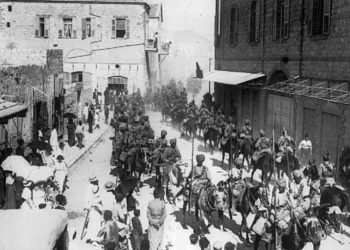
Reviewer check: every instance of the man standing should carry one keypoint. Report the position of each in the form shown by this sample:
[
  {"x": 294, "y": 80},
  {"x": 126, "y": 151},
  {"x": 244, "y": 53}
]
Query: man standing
[
  {"x": 305, "y": 148},
  {"x": 156, "y": 214},
  {"x": 170, "y": 156}
]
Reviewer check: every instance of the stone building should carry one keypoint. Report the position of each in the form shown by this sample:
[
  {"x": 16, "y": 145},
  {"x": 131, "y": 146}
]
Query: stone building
[
  {"x": 106, "y": 38},
  {"x": 40, "y": 89},
  {"x": 283, "y": 64}
]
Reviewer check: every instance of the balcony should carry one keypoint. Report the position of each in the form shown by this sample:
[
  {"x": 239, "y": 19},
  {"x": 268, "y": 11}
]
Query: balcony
[{"x": 151, "y": 45}]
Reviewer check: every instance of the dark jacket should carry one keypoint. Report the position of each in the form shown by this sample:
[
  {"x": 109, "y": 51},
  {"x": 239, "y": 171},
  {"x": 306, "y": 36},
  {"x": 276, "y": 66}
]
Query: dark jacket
[{"x": 137, "y": 226}]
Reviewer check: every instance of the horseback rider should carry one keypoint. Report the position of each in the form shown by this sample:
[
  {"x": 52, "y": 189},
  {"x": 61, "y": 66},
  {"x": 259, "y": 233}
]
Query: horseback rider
[
  {"x": 285, "y": 145},
  {"x": 209, "y": 122},
  {"x": 170, "y": 156},
  {"x": 282, "y": 208},
  {"x": 230, "y": 131},
  {"x": 300, "y": 191},
  {"x": 263, "y": 145},
  {"x": 200, "y": 171},
  {"x": 326, "y": 170},
  {"x": 146, "y": 133},
  {"x": 246, "y": 130}
]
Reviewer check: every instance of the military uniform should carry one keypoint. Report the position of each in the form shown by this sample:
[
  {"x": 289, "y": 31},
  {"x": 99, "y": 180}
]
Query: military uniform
[
  {"x": 200, "y": 171},
  {"x": 263, "y": 145},
  {"x": 169, "y": 157}
]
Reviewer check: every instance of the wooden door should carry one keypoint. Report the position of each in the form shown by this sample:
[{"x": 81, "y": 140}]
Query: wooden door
[{"x": 330, "y": 135}]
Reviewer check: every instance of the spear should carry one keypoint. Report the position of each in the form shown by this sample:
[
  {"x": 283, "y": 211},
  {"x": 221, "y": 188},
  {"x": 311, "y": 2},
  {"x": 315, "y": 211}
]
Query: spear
[
  {"x": 192, "y": 164},
  {"x": 275, "y": 176}
]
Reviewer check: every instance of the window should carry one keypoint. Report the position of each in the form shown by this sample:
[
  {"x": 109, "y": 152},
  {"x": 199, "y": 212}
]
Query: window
[
  {"x": 67, "y": 30},
  {"x": 120, "y": 28},
  {"x": 234, "y": 26},
  {"x": 8, "y": 24},
  {"x": 67, "y": 27},
  {"x": 9, "y": 8},
  {"x": 77, "y": 77},
  {"x": 42, "y": 27},
  {"x": 86, "y": 24},
  {"x": 254, "y": 21},
  {"x": 217, "y": 22},
  {"x": 280, "y": 23},
  {"x": 318, "y": 17}
]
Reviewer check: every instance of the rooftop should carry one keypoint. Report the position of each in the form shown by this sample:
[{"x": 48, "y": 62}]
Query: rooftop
[{"x": 84, "y": 1}]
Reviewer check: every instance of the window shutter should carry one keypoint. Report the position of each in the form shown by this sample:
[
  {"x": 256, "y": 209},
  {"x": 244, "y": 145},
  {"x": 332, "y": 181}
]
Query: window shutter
[
  {"x": 83, "y": 28},
  {"x": 47, "y": 27},
  {"x": 236, "y": 25},
  {"x": 309, "y": 16},
  {"x": 127, "y": 28},
  {"x": 113, "y": 28},
  {"x": 216, "y": 31},
  {"x": 93, "y": 26},
  {"x": 326, "y": 16},
  {"x": 257, "y": 21},
  {"x": 274, "y": 20},
  {"x": 36, "y": 26},
  {"x": 286, "y": 19},
  {"x": 74, "y": 27},
  {"x": 249, "y": 20}
]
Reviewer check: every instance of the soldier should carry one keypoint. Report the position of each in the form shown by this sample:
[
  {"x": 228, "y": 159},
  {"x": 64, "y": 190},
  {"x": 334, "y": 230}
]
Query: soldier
[
  {"x": 326, "y": 170},
  {"x": 282, "y": 208},
  {"x": 200, "y": 171},
  {"x": 263, "y": 145},
  {"x": 300, "y": 191},
  {"x": 285, "y": 144},
  {"x": 170, "y": 156},
  {"x": 247, "y": 129}
]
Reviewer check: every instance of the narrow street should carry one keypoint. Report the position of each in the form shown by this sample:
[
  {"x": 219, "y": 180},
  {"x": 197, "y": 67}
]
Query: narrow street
[{"x": 178, "y": 229}]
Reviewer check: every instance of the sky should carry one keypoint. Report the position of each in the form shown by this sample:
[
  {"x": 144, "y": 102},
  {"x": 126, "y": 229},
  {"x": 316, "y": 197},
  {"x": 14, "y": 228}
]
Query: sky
[{"x": 195, "y": 15}]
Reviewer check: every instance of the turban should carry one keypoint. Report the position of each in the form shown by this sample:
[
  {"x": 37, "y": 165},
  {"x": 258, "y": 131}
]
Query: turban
[
  {"x": 200, "y": 158},
  {"x": 281, "y": 183}
]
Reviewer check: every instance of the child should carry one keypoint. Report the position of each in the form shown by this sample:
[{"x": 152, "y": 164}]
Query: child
[
  {"x": 106, "y": 114},
  {"x": 61, "y": 201},
  {"x": 61, "y": 172},
  {"x": 97, "y": 119},
  {"x": 137, "y": 229},
  {"x": 109, "y": 231}
]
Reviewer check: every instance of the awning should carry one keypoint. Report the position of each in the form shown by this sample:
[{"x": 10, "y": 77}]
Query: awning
[
  {"x": 231, "y": 78},
  {"x": 338, "y": 93},
  {"x": 9, "y": 110}
]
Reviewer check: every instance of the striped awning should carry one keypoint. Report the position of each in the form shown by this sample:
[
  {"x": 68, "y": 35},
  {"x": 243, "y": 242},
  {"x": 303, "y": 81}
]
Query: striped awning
[{"x": 9, "y": 110}]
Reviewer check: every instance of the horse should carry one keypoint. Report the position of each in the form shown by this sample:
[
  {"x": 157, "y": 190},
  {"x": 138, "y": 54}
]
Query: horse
[
  {"x": 303, "y": 231},
  {"x": 165, "y": 112},
  {"x": 265, "y": 164},
  {"x": 212, "y": 135},
  {"x": 207, "y": 199},
  {"x": 331, "y": 199},
  {"x": 189, "y": 126},
  {"x": 247, "y": 205},
  {"x": 246, "y": 148},
  {"x": 311, "y": 171},
  {"x": 228, "y": 146},
  {"x": 288, "y": 164},
  {"x": 201, "y": 124}
]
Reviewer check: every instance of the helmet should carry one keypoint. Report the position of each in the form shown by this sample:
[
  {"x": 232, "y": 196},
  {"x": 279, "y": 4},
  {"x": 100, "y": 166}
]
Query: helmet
[{"x": 247, "y": 122}]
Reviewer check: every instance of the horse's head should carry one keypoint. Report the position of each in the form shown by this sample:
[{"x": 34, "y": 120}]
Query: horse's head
[
  {"x": 334, "y": 217},
  {"x": 314, "y": 230}
]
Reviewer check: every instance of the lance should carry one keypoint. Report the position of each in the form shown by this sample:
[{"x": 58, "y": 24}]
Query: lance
[
  {"x": 192, "y": 163},
  {"x": 275, "y": 176}
]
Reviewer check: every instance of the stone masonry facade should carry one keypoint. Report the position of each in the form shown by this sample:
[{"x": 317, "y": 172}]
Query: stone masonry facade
[
  {"x": 22, "y": 41},
  {"x": 318, "y": 57}
]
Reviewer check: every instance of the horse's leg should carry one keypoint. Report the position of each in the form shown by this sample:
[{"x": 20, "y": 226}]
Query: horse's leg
[
  {"x": 223, "y": 157},
  {"x": 257, "y": 241},
  {"x": 243, "y": 223},
  {"x": 254, "y": 169}
]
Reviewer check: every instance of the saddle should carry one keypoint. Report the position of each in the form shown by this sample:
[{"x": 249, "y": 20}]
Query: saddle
[
  {"x": 205, "y": 199},
  {"x": 198, "y": 185}
]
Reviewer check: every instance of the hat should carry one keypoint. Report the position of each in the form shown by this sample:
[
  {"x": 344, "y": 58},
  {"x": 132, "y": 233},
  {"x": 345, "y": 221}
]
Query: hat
[
  {"x": 204, "y": 242},
  {"x": 238, "y": 161},
  {"x": 27, "y": 183},
  {"x": 61, "y": 199},
  {"x": 109, "y": 186},
  {"x": 172, "y": 141},
  {"x": 193, "y": 238},
  {"x": 230, "y": 246},
  {"x": 297, "y": 173},
  {"x": 247, "y": 122},
  {"x": 281, "y": 183},
  {"x": 200, "y": 158},
  {"x": 326, "y": 156},
  {"x": 217, "y": 245},
  {"x": 119, "y": 197},
  {"x": 60, "y": 158},
  {"x": 93, "y": 179},
  {"x": 163, "y": 132}
]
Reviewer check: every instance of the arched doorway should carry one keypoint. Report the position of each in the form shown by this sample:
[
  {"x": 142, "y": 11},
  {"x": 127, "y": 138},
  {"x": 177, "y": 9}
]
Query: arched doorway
[
  {"x": 278, "y": 76},
  {"x": 117, "y": 83}
]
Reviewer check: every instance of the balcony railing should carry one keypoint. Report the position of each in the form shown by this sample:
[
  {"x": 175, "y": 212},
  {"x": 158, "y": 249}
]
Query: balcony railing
[{"x": 152, "y": 45}]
